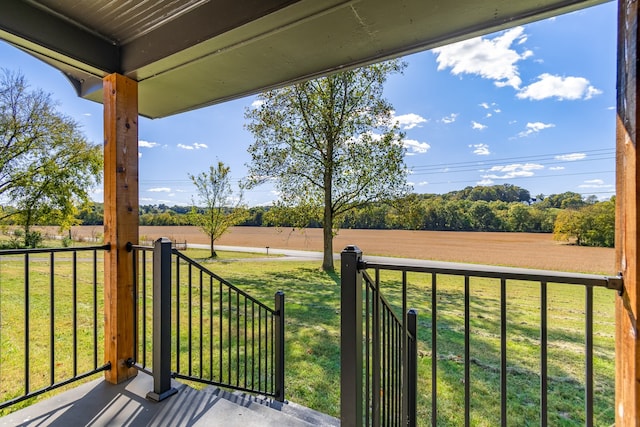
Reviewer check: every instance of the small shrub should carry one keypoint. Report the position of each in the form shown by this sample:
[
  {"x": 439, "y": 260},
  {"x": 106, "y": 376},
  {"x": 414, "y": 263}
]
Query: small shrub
[
  {"x": 66, "y": 241},
  {"x": 33, "y": 239}
]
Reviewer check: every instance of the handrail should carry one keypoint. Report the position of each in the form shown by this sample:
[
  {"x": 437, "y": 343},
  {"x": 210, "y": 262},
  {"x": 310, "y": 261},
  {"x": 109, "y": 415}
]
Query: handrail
[
  {"x": 491, "y": 272},
  {"x": 24, "y": 251}
]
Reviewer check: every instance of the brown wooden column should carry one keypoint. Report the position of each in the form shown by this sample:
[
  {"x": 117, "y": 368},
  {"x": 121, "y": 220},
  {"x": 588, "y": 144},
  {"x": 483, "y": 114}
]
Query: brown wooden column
[
  {"x": 627, "y": 204},
  {"x": 120, "y": 220}
]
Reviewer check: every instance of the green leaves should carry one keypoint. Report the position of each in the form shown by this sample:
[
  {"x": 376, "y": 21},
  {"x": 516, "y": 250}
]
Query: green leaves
[
  {"x": 221, "y": 210},
  {"x": 47, "y": 167},
  {"x": 330, "y": 147}
]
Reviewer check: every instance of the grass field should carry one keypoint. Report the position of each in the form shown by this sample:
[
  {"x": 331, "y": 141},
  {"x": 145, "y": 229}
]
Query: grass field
[
  {"x": 527, "y": 250},
  {"x": 312, "y": 343}
]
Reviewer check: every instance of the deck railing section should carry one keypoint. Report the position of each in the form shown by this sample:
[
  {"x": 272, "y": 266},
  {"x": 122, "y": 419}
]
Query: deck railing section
[
  {"x": 378, "y": 351},
  {"x": 373, "y": 398},
  {"x": 218, "y": 334},
  {"x": 51, "y": 319}
]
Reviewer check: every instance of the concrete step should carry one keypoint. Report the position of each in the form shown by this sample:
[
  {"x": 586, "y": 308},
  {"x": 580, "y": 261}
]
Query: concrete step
[
  {"x": 98, "y": 403},
  {"x": 267, "y": 406}
]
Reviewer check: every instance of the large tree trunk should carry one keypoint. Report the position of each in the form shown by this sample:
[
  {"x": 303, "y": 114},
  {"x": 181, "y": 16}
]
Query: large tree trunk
[
  {"x": 327, "y": 235},
  {"x": 327, "y": 217}
]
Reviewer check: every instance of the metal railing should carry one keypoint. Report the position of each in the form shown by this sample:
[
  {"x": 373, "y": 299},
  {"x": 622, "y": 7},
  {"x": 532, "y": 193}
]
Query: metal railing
[
  {"x": 51, "y": 321},
  {"x": 365, "y": 398},
  {"x": 214, "y": 332},
  {"x": 378, "y": 379}
]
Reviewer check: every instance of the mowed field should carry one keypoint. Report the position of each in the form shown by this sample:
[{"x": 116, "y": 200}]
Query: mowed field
[{"x": 528, "y": 250}]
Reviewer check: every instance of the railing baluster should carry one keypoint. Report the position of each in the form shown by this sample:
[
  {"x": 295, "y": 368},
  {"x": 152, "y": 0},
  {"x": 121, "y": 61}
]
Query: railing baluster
[
  {"x": 434, "y": 350},
  {"x": 211, "y": 377},
  {"x": 26, "y": 324},
  {"x": 201, "y": 366},
  {"x": 368, "y": 352},
  {"x": 412, "y": 368},
  {"x": 253, "y": 343},
  {"x": 144, "y": 308},
  {"x": 375, "y": 365},
  {"x": 279, "y": 346},
  {"x": 467, "y": 354},
  {"x": 74, "y": 285},
  {"x": 220, "y": 327},
  {"x": 543, "y": 355},
  {"x": 190, "y": 318},
  {"x": 178, "y": 337},
  {"x": 52, "y": 320},
  {"x": 229, "y": 337},
  {"x": 503, "y": 352},
  {"x": 237, "y": 340},
  {"x": 95, "y": 309},
  {"x": 588, "y": 398}
]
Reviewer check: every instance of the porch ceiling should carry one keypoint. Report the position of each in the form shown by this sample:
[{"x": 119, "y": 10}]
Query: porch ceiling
[{"x": 187, "y": 54}]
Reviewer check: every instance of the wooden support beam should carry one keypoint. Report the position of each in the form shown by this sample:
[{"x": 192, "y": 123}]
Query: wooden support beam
[
  {"x": 627, "y": 204},
  {"x": 120, "y": 220}
]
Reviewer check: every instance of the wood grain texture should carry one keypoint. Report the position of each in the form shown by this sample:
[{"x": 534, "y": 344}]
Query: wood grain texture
[
  {"x": 627, "y": 179},
  {"x": 120, "y": 220}
]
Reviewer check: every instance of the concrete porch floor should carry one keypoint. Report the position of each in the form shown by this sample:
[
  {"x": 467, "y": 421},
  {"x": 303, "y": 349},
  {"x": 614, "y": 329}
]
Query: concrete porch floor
[{"x": 98, "y": 403}]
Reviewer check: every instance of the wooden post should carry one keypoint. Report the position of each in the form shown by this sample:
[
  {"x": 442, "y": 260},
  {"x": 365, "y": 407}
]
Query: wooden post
[
  {"x": 120, "y": 220},
  {"x": 627, "y": 203}
]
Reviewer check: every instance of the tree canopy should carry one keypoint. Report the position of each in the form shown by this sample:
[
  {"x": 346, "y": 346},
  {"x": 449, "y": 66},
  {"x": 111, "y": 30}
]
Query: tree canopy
[
  {"x": 47, "y": 167},
  {"x": 330, "y": 145},
  {"x": 221, "y": 210}
]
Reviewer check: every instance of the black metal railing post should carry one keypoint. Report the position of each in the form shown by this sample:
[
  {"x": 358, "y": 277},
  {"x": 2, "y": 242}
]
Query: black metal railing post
[
  {"x": 161, "y": 321},
  {"x": 411, "y": 388},
  {"x": 279, "y": 346},
  {"x": 351, "y": 409}
]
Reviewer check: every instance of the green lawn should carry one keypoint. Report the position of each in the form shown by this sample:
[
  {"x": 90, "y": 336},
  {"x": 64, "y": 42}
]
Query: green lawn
[{"x": 312, "y": 339}]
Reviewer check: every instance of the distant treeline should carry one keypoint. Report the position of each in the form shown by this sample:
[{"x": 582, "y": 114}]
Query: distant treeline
[{"x": 483, "y": 208}]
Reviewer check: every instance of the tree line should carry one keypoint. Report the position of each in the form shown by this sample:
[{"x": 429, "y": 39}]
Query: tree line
[{"x": 500, "y": 208}]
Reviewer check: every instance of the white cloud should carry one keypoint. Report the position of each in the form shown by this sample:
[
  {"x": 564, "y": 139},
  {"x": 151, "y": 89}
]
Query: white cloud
[
  {"x": 595, "y": 183},
  {"x": 492, "y": 59},
  {"x": 449, "y": 119},
  {"x": 478, "y": 126},
  {"x": 516, "y": 170},
  {"x": 485, "y": 182},
  {"x": 480, "y": 149},
  {"x": 551, "y": 86},
  {"x": 147, "y": 144},
  {"x": 160, "y": 190},
  {"x": 423, "y": 183},
  {"x": 195, "y": 146},
  {"x": 139, "y": 154},
  {"x": 535, "y": 127},
  {"x": 556, "y": 168},
  {"x": 257, "y": 103},
  {"x": 488, "y": 115},
  {"x": 484, "y": 105},
  {"x": 146, "y": 199},
  {"x": 409, "y": 121},
  {"x": 415, "y": 147},
  {"x": 572, "y": 157}
]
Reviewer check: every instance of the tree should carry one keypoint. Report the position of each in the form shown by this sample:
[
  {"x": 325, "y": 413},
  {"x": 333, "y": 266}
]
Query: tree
[
  {"x": 330, "y": 145},
  {"x": 221, "y": 209},
  {"x": 47, "y": 166}
]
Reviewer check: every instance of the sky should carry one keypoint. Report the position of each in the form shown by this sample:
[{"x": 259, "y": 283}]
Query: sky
[{"x": 532, "y": 106}]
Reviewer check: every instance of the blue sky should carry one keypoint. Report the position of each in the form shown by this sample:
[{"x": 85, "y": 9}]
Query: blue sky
[{"x": 532, "y": 106}]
